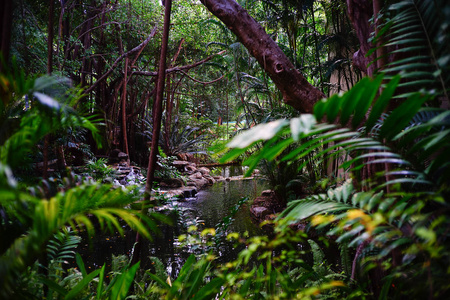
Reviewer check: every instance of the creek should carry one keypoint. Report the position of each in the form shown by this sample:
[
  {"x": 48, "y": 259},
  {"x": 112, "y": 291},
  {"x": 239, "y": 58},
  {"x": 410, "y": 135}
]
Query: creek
[{"x": 206, "y": 210}]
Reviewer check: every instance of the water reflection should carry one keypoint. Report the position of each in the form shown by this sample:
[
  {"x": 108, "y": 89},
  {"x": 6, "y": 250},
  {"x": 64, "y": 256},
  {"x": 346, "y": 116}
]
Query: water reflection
[
  {"x": 216, "y": 202},
  {"x": 211, "y": 206}
]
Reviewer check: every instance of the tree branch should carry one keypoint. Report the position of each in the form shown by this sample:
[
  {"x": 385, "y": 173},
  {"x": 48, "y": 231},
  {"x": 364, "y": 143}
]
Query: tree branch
[
  {"x": 178, "y": 69},
  {"x": 297, "y": 91},
  {"x": 202, "y": 82},
  {"x": 114, "y": 65}
]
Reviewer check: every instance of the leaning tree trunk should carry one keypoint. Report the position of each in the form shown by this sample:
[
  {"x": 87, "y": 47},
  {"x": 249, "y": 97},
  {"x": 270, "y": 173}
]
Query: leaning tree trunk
[{"x": 297, "y": 91}]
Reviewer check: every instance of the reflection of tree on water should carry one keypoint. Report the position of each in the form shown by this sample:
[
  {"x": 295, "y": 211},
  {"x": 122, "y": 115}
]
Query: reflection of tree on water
[
  {"x": 233, "y": 170},
  {"x": 211, "y": 206},
  {"x": 216, "y": 202}
]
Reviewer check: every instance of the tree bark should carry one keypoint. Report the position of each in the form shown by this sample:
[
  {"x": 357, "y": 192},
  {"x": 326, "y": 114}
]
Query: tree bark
[
  {"x": 124, "y": 110},
  {"x": 297, "y": 91},
  {"x": 157, "y": 115},
  {"x": 360, "y": 12}
]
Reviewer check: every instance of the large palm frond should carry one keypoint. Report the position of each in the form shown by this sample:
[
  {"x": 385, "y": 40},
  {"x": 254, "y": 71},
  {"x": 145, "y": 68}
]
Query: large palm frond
[
  {"x": 345, "y": 113},
  {"x": 416, "y": 34},
  {"x": 389, "y": 219},
  {"x": 77, "y": 208}
]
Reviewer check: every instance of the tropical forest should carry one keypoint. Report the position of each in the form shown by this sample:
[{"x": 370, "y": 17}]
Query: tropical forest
[{"x": 224, "y": 149}]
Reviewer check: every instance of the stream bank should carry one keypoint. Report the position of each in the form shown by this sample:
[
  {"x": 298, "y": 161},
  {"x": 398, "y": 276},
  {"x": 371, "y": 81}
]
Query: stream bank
[{"x": 195, "y": 203}]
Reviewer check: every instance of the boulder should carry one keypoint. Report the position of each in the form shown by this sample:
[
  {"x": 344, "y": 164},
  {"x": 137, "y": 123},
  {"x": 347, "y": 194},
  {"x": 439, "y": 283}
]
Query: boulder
[
  {"x": 172, "y": 183},
  {"x": 210, "y": 179},
  {"x": 189, "y": 192},
  {"x": 267, "y": 193},
  {"x": 180, "y": 165},
  {"x": 265, "y": 206},
  {"x": 199, "y": 182},
  {"x": 116, "y": 156},
  {"x": 196, "y": 175},
  {"x": 122, "y": 155},
  {"x": 191, "y": 168},
  {"x": 182, "y": 156},
  {"x": 204, "y": 170},
  {"x": 259, "y": 212}
]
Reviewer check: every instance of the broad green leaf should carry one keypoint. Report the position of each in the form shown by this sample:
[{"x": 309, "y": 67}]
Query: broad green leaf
[
  {"x": 401, "y": 116},
  {"x": 120, "y": 290},
  {"x": 367, "y": 97},
  {"x": 47, "y": 101},
  {"x": 101, "y": 282},
  {"x": 320, "y": 108},
  {"x": 333, "y": 107},
  {"x": 264, "y": 131},
  {"x": 210, "y": 289},
  {"x": 302, "y": 125},
  {"x": 196, "y": 278},
  {"x": 163, "y": 283},
  {"x": 74, "y": 292},
  {"x": 352, "y": 98},
  {"x": 80, "y": 264},
  {"x": 382, "y": 102},
  {"x": 53, "y": 285}
]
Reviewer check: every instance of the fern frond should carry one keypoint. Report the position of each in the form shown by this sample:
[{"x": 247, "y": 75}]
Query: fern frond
[
  {"x": 61, "y": 247},
  {"x": 75, "y": 208},
  {"x": 414, "y": 34}
]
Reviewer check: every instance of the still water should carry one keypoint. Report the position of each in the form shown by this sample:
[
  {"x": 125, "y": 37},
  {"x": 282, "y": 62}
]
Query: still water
[{"x": 206, "y": 210}]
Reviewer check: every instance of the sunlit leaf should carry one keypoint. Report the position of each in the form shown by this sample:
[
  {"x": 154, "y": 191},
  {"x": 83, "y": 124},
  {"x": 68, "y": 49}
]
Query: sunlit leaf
[{"x": 264, "y": 131}]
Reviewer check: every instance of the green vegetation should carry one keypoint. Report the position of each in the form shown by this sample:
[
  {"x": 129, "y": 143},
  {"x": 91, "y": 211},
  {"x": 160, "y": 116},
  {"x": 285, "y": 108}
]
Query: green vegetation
[{"x": 363, "y": 175}]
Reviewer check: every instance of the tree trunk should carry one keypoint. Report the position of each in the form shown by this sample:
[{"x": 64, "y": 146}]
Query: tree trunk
[
  {"x": 297, "y": 91},
  {"x": 49, "y": 71},
  {"x": 124, "y": 110},
  {"x": 50, "y": 37},
  {"x": 6, "y": 8},
  {"x": 157, "y": 115},
  {"x": 168, "y": 120},
  {"x": 360, "y": 12}
]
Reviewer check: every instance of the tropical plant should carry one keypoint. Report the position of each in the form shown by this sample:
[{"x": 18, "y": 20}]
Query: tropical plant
[
  {"x": 190, "y": 283},
  {"x": 415, "y": 33},
  {"x": 397, "y": 203},
  {"x": 284, "y": 266},
  {"x": 30, "y": 221},
  {"x": 46, "y": 104},
  {"x": 99, "y": 169},
  {"x": 41, "y": 219},
  {"x": 187, "y": 140},
  {"x": 81, "y": 284}
]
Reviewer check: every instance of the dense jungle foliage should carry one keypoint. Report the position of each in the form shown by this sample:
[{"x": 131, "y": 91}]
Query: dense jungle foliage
[{"x": 363, "y": 178}]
